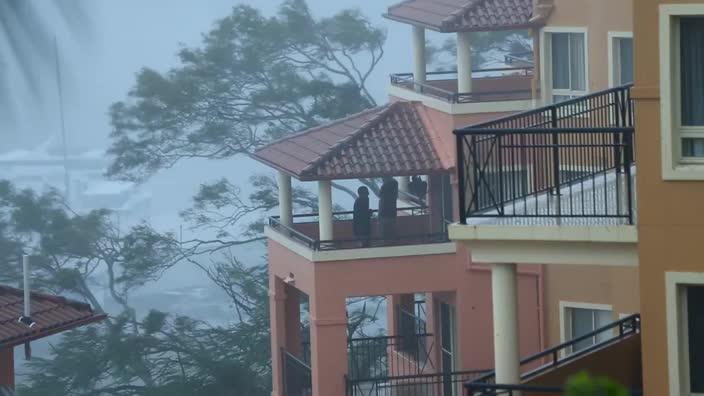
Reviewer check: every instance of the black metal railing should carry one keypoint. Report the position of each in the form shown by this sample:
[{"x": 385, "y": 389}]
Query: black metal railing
[
  {"x": 432, "y": 88},
  {"x": 552, "y": 358},
  {"x": 297, "y": 376},
  {"x": 434, "y": 384},
  {"x": 380, "y": 357},
  {"x": 409, "y": 324},
  {"x": 304, "y": 230},
  {"x": 568, "y": 160}
]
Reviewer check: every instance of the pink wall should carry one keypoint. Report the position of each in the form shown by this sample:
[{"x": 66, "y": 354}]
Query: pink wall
[{"x": 446, "y": 277}]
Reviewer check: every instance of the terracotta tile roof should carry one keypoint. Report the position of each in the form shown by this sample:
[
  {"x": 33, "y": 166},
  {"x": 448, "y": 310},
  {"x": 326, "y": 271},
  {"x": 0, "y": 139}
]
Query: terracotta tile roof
[
  {"x": 466, "y": 15},
  {"x": 52, "y": 314},
  {"x": 391, "y": 140}
]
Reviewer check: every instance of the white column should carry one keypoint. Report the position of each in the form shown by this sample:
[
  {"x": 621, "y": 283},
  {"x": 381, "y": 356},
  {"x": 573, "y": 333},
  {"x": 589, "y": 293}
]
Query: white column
[
  {"x": 464, "y": 63},
  {"x": 505, "y": 306},
  {"x": 325, "y": 210},
  {"x": 285, "y": 200},
  {"x": 418, "y": 54}
]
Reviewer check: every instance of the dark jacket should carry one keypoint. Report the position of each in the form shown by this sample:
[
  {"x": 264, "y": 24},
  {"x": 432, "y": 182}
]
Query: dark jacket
[
  {"x": 388, "y": 195},
  {"x": 361, "y": 218}
]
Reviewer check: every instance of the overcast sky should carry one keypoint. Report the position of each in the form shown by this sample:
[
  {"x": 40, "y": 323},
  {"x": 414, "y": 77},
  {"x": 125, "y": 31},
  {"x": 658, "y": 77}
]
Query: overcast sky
[{"x": 127, "y": 35}]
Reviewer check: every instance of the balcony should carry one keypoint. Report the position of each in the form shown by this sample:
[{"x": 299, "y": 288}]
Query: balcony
[
  {"x": 414, "y": 226},
  {"x": 618, "y": 357},
  {"x": 488, "y": 85},
  {"x": 564, "y": 172}
]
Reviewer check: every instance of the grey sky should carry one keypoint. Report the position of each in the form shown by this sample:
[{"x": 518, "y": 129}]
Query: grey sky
[{"x": 130, "y": 34}]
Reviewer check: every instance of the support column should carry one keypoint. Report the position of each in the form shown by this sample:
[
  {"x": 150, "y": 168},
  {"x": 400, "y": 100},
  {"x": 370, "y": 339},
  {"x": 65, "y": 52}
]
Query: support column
[
  {"x": 285, "y": 200},
  {"x": 7, "y": 368},
  {"x": 464, "y": 63},
  {"x": 293, "y": 321},
  {"x": 328, "y": 336},
  {"x": 277, "y": 322},
  {"x": 419, "y": 68},
  {"x": 504, "y": 289},
  {"x": 325, "y": 221}
]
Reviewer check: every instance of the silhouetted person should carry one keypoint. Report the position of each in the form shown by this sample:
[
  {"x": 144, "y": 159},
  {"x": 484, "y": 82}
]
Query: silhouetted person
[
  {"x": 388, "y": 196},
  {"x": 361, "y": 217},
  {"x": 418, "y": 187}
]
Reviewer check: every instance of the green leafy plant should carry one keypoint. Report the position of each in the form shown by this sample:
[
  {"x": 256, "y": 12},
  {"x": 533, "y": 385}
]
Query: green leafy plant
[{"x": 583, "y": 384}]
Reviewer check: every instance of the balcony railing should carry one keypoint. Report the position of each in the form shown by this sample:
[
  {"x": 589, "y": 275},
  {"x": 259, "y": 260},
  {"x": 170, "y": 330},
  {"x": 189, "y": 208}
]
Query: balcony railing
[
  {"x": 297, "y": 376},
  {"x": 572, "y": 160},
  {"x": 550, "y": 359},
  {"x": 381, "y": 357},
  {"x": 499, "y": 84},
  {"x": 414, "y": 226},
  {"x": 433, "y": 384}
]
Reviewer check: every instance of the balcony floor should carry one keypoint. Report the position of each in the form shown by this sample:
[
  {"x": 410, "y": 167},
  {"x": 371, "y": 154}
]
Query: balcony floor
[{"x": 578, "y": 204}]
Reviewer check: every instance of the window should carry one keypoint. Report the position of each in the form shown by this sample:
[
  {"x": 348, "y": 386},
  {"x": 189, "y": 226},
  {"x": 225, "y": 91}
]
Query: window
[
  {"x": 581, "y": 321},
  {"x": 682, "y": 90},
  {"x": 685, "y": 332},
  {"x": 569, "y": 65},
  {"x": 691, "y": 85},
  {"x": 621, "y": 56},
  {"x": 694, "y": 327}
]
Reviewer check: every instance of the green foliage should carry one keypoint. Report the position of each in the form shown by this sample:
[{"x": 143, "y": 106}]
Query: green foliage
[
  {"x": 583, "y": 384},
  {"x": 253, "y": 79}
]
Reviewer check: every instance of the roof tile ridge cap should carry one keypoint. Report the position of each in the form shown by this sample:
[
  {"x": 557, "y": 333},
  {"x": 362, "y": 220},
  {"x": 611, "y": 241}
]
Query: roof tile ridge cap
[
  {"x": 315, "y": 128},
  {"x": 50, "y": 297},
  {"x": 399, "y": 4},
  {"x": 363, "y": 129},
  {"x": 433, "y": 135},
  {"x": 460, "y": 13}
]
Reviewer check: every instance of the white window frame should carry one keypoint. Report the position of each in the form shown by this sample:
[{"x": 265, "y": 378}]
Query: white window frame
[
  {"x": 615, "y": 62},
  {"x": 546, "y": 61},
  {"x": 677, "y": 352},
  {"x": 674, "y": 166},
  {"x": 566, "y": 317}
]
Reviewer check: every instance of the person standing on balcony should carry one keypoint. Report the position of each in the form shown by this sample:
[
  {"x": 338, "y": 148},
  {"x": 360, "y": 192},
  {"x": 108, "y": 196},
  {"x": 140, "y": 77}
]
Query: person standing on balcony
[
  {"x": 388, "y": 196},
  {"x": 419, "y": 188},
  {"x": 362, "y": 216}
]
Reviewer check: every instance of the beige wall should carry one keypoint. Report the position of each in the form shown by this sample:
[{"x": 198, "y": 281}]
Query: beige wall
[
  {"x": 671, "y": 219},
  {"x": 613, "y": 286},
  {"x": 600, "y": 17},
  {"x": 621, "y": 362}
]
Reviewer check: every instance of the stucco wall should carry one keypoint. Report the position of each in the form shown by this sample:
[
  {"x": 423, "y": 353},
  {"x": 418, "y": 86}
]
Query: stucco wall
[
  {"x": 621, "y": 362},
  {"x": 613, "y": 286},
  {"x": 671, "y": 219},
  {"x": 7, "y": 368},
  {"x": 600, "y": 17}
]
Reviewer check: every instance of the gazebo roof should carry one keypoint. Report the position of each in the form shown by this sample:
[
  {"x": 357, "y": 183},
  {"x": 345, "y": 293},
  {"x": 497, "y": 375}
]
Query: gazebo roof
[
  {"x": 52, "y": 314},
  {"x": 391, "y": 140},
  {"x": 449, "y": 16}
]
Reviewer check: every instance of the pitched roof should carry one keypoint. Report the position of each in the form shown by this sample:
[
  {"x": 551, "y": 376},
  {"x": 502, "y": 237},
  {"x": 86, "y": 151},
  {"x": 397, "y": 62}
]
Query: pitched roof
[
  {"x": 52, "y": 314},
  {"x": 466, "y": 15},
  {"x": 390, "y": 140}
]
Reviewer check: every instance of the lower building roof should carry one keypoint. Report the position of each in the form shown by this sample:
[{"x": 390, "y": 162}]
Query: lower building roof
[{"x": 52, "y": 314}]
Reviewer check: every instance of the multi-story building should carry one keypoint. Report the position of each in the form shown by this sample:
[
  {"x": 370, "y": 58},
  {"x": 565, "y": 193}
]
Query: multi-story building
[
  {"x": 440, "y": 294},
  {"x": 578, "y": 205},
  {"x": 669, "y": 92}
]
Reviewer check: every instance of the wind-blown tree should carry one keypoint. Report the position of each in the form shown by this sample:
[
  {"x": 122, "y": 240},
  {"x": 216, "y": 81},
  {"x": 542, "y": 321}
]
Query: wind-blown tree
[
  {"x": 159, "y": 354},
  {"x": 27, "y": 48},
  {"x": 68, "y": 250},
  {"x": 253, "y": 79}
]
